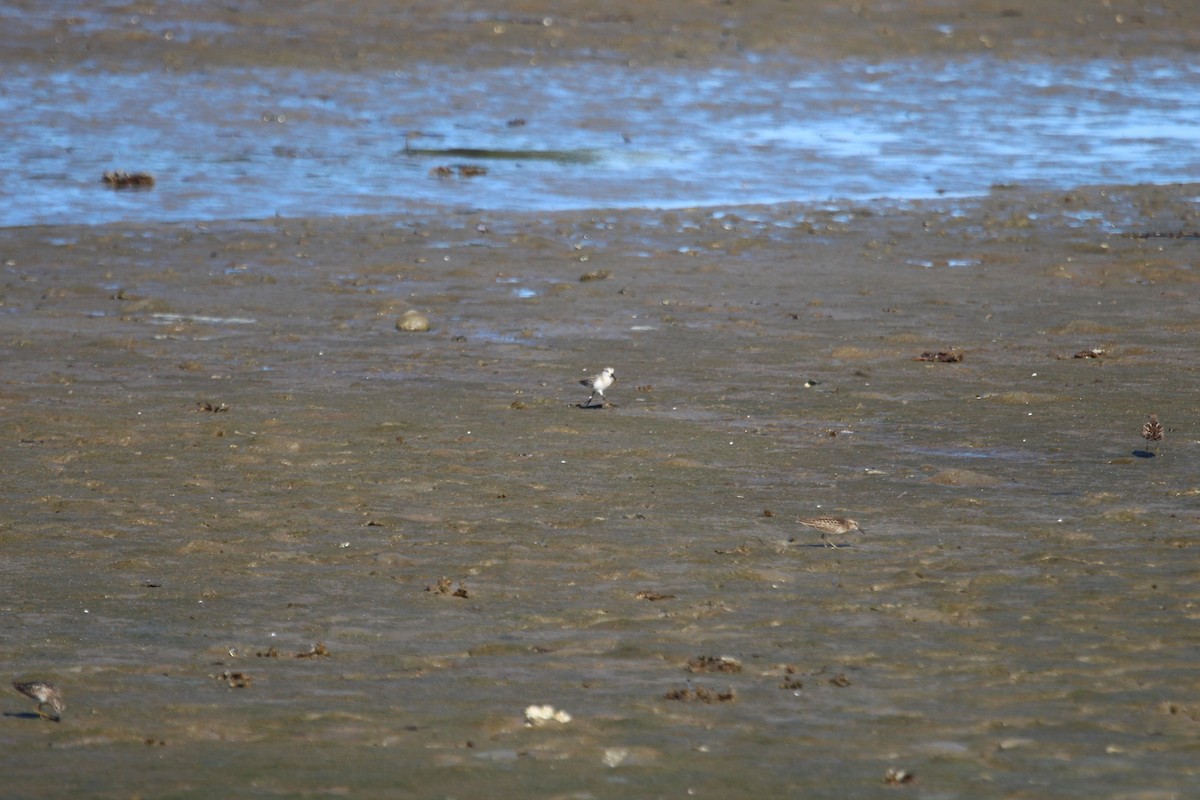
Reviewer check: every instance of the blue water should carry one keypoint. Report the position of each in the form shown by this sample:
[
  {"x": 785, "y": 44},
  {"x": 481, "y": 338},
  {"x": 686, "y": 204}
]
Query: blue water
[{"x": 256, "y": 143}]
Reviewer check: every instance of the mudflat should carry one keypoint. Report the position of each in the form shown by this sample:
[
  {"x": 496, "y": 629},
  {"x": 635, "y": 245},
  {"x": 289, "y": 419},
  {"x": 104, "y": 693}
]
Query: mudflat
[
  {"x": 375, "y": 34},
  {"x": 267, "y": 540}
]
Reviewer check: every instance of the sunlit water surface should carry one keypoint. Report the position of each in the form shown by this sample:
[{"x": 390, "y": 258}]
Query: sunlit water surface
[{"x": 255, "y": 143}]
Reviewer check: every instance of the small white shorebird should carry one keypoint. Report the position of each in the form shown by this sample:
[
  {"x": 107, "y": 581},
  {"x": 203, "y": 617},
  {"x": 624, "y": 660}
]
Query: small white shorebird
[
  {"x": 598, "y": 383},
  {"x": 835, "y": 526}
]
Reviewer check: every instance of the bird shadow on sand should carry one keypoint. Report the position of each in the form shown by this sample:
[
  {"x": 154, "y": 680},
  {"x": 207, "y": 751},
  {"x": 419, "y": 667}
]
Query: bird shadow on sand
[
  {"x": 595, "y": 406},
  {"x": 1143, "y": 454},
  {"x": 27, "y": 715}
]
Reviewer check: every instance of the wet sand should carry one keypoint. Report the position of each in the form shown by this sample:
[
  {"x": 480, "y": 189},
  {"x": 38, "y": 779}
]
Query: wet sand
[
  {"x": 221, "y": 453},
  {"x": 377, "y": 35}
]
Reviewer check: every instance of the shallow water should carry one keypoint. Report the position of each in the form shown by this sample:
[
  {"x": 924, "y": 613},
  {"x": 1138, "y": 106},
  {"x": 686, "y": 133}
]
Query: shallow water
[{"x": 237, "y": 143}]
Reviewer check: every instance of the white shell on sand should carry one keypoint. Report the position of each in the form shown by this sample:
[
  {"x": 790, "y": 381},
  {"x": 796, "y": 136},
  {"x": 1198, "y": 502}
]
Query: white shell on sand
[
  {"x": 540, "y": 715},
  {"x": 412, "y": 321}
]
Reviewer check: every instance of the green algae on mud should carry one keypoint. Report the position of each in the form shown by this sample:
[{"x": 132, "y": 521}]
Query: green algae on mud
[{"x": 557, "y": 156}]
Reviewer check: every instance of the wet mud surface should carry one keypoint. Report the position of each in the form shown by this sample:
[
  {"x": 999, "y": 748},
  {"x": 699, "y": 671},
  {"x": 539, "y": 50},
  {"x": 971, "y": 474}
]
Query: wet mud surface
[
  {"x": 221, "y": 453},
  {"x": 267, "y": 542},
  {"x": 375, "y": 34}
]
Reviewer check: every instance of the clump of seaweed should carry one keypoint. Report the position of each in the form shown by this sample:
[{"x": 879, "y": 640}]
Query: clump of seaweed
[
  {"x": 120, "y": 179},
  {"x": 700, "y": 694}
]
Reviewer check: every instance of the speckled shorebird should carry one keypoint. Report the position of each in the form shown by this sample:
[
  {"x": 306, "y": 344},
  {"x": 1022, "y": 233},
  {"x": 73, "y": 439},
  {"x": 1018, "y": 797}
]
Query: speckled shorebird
[
  {"x": 598, "y": 383},
  {"x": 1152, "y": 431},
  {"x": 835, "y": 526},
  {"x": 46, "y": 694}
]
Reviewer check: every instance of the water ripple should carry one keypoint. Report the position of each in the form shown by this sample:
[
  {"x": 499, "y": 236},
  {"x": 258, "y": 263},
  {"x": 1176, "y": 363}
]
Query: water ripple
[{"x": 230, "y": 144}]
